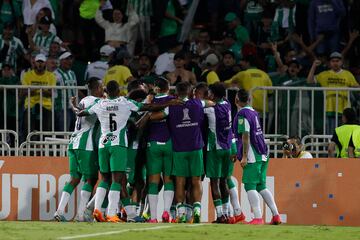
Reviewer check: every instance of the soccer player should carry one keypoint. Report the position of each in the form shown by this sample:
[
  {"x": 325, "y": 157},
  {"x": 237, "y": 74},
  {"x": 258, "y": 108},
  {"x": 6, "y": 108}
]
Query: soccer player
[
  {"x": 113, "y": 114},
  {"x": 219, "y": 165},
  {"x": 185, "y": 129},
  {"x": 82, "y": 154},
  {"x": 253, "y": 153},
  {"x": 160, "y": 157}
]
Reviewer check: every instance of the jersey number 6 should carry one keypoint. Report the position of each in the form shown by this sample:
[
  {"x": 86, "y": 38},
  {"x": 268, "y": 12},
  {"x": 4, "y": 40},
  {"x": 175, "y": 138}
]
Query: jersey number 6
[{"x": 113, "y": 125}]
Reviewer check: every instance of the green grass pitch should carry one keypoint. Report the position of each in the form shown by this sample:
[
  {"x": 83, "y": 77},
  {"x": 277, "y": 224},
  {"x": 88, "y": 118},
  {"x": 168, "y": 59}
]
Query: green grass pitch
[{"x": 70, "y": 230}]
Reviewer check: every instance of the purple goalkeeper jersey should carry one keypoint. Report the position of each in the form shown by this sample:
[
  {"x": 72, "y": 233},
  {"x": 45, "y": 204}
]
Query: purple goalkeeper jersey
[
  {"x": 257, "y": 140},
  {"x": 159, "y": 130},
  {"x": 185, "y": 125}
]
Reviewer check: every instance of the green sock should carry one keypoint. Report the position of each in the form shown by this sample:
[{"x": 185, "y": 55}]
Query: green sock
[
  {"x": 153, "y": 188},
  {"x": 115, "y": 186},
  {"x": 69, "y": 188}
]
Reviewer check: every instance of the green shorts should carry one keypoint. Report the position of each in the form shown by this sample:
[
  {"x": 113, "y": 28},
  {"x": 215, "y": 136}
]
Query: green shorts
[
  {"x": 83, "y": 163},
  {"x": 132, "y": 164},
  {"x": 112, "y": 159},
  {"x": 188, "y": 164},
  {"x": 159, "y": 158},
  {"x": 219, "y": 164},
  {"x": 255, "y": 173}
]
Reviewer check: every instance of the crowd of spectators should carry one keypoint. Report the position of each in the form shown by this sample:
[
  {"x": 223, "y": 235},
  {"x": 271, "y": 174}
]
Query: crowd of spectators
[{"x": 243, "y": 43}]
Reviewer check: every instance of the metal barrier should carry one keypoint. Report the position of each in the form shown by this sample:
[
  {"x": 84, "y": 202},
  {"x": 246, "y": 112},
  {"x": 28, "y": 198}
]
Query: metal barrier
[
  {"x": 303, "y": 110},
  {"x": 5, "y": 149},
  {"x": 45, "y": 144},
  {"x": 275, "y": 143},
  {"x": 55, "y": 116},
  {"x": 10, "y": 140},
  {"x": 317, "y": 145}
]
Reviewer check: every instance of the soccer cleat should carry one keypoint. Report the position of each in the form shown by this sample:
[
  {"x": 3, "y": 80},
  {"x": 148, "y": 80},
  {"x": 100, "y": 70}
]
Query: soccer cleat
[
  {"x": 276, "y": 220},
  {"x": 98, "y": 216},
  {"x": 79, "y": 218},
  {"x": 231, "y": 220},
  {"x": 239, "y": 218},
  {"x": 256, "y": 221},
  {"x": 88, "y": 217},
  {"x": 222, "y": 220},
  {"x": 165, "y": 217},
  {"x": 114, "y": 219},
  {"x": 153, "y": 221},
  {"x": 59, "y": 217},
  {"x": 146, "y": 216},
  {"x": 181, "y": 219},
  {"x": 197, "y": 216},
  {"x": 123, "y": 214},
  {"x": 173, "y": 220},
  {"x": 136, "y": 219}
]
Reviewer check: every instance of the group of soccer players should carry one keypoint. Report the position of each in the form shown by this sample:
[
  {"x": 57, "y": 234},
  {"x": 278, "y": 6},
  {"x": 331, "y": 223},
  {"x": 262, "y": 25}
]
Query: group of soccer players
[{"x": 151, "y": 140}]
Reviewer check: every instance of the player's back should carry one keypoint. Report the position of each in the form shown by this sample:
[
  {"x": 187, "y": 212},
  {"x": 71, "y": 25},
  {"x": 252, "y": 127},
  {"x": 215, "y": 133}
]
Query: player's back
[
  {"x": 82, "y": 137},
  {"x": 113, "y": 115},
  {"x": 257, "y": 139},
  {"x": 185, "y": 125},
  {"x": 159, "y": 130},
  {"x": 219, "y": 116}
]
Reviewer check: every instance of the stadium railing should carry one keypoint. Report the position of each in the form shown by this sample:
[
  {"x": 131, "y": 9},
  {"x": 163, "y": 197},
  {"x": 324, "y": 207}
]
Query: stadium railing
[
  {"x": 301, "y": 111},
  {"x": 317, "y": 145},
  {"x": 22, "y": 94},
  {"x": 45, "y": 144},
  {"x": 9, "y": 147}
]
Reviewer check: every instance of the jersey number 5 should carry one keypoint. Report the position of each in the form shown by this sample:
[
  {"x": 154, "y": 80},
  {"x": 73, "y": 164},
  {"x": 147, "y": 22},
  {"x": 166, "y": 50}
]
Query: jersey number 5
[{"x": 113, "y": 125}]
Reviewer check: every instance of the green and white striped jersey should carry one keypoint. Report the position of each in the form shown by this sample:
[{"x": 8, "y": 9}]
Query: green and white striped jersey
[
  {"x": 43, "y": 42},
  {"x": 65, "y": 78},
  {"x": 141, "y": 7},
  {"x": 15, "y": 48},
  {"x": 85, "y": 127},
  {"x": 113, "y": 115}
]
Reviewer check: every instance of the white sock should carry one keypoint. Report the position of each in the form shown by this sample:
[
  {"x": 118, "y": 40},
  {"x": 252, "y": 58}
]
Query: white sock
[
  {"x": 99, "y": 197},
  {"x": 114, "y": 198},
  {"x": 234, "y": 198},
  {"x": 189, "y": 212},
  {"x": 219, "y": 211},
  {"x": 153, "y": 201},
  {"x": 65, "y": 196},
  {"x": 130, "y": 211},
  {"x": 91, "y": 203},
  {"x": 255, "y": 203},
  {"x": 84, "y": 198},
  {"x": 225, "y": 208},
  {"x": 180, "y": 209},
  {"x": 269, "y": 200},
  {"x": 168, "y": 199}
]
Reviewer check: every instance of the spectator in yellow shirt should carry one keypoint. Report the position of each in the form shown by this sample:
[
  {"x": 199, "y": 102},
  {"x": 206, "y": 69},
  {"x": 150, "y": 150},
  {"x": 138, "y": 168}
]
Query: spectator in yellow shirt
[
  {"x": 209, "y": 74},
  {"x": 120, "y": 71},
  {"x": 250, "y": 78},
  {"x": 336, "y": 77},
  {"x": 40, "y": 100}
]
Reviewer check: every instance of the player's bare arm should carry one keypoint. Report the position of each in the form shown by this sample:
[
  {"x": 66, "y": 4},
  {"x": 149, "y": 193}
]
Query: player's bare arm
[
  {"x": 245, "y": 141},
  {"x": 158, "y": 107}
]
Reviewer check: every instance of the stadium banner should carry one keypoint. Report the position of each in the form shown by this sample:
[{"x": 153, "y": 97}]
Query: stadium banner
[{"x": 307, "y": 191}]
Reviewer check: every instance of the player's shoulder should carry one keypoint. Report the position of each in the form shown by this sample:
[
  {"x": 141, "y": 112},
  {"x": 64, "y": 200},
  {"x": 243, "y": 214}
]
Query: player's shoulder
[{"x": 89, "y": 100}]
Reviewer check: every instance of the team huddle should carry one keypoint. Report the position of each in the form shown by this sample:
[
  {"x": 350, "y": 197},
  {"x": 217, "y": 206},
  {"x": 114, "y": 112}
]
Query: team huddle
[{"x": 151, "y": 140}]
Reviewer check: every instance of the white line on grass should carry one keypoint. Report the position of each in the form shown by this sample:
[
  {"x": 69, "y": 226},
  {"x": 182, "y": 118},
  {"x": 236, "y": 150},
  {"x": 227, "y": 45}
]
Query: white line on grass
[{"x": 123, "y": 231}]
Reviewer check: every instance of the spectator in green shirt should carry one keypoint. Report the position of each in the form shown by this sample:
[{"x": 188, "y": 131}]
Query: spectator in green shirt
[
  {"x": 233, "y": 23},
  {"x": 8, "y": 77}
]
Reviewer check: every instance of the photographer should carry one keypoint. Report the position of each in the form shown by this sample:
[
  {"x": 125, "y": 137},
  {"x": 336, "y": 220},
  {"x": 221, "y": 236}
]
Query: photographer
[{"x": 292, "y": 148}]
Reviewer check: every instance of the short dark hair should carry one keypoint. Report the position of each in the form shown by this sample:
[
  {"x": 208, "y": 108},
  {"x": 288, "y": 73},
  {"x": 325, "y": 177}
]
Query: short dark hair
[
  {"x": 218, "y": 89},
  {"x": 202, "y": 86},
  {"x": 137, "y": 94},
  {"x": 183, "y": 88},
  {"x": 162, "y": 83},
  {"x": 243, "y": 95},
  {"x": 112, "y": 87},
  {"x": 297, "y": 139},
  {"x": 350, "y": 115},
  {"x": 93, "y": 83},
  {"x": 134, "y": 84}
]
